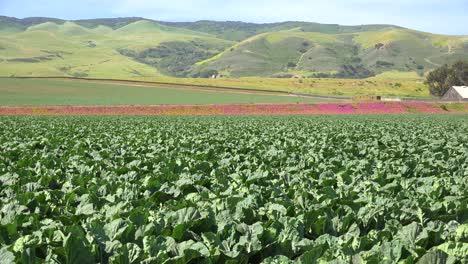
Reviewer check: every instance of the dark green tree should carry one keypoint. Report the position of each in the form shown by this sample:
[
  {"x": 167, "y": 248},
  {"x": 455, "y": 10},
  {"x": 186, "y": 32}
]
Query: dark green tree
[
  {"x": 442, "y": 79},
  {"x": 460, "y": 72},
  {"x": 207, "y": 73}
]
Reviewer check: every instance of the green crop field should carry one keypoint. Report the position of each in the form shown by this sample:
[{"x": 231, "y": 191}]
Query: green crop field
[
  {"x": 393, "y": 84},
  {"x": 323, "y": 189},
  {"x": 36, "y": 92}
]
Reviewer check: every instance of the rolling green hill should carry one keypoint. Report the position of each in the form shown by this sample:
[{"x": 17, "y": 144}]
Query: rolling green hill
[
  {"x": 297, "y": 51},
  {"x": 139, "y": 49},
  {"x": 135, "y": 48},
  {"x": 238, "y": 31}
]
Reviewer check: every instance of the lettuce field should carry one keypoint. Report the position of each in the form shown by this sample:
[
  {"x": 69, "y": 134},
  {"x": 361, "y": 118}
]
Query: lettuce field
[{"x": 245, "y": 189}]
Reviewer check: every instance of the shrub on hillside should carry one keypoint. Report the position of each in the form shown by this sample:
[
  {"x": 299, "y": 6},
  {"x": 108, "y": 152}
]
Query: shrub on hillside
[
  {"x": 354, "y": 72},
  {"x": 384, "y": 64},
  {"x": 283, "y": 75},
  {"x": 174, "y": 58},
  {"x": 347, "y": 71},
  {"x": 207, "y": 73},
  {"x": 321, "y": 75}
]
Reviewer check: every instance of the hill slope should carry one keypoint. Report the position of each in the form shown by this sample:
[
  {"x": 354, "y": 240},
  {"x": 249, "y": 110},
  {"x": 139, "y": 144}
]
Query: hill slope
[
  {"x": 138, "y": 49},
  {"x": 238, "y": 31},
  {"x": 297, "y": 51},
  {"x": 141, "y": 48}
]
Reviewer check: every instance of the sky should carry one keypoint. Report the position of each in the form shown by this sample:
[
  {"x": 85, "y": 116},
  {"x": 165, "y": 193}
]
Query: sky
[{"x": 436, "y": 16}]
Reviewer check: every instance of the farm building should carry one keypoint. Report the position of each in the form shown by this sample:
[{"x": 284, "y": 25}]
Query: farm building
[
  {"x": 456, "y": 93},
  {"x": 367, "y": 98}
]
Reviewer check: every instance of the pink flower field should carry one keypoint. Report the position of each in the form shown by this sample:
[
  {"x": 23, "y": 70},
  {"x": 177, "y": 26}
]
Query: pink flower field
[{"x": 345, "y": 108}]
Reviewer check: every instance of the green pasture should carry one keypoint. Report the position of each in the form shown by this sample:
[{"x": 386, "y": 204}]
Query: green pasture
[{"x": 37, "y": 92}]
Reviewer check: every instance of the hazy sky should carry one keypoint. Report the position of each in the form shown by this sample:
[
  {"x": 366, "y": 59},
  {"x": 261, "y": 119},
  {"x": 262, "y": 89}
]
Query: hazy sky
[{"x": 437, "y": 16}]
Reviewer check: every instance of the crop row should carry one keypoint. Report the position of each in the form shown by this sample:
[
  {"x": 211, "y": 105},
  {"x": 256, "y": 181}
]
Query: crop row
[
  {"x": 340, "y": 189},
  {"x": 344, "y": 108}
]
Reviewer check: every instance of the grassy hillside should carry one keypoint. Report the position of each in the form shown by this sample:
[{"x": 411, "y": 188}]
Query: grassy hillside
[
  {"x": 52, "y": 50},
  {"x": 22, "y": 24},
  {"x": 297, "y": 51},
  {"x": 137, "y": 48},
  {"x": 393, "y": 84},
  {"x": 69, "y": 49},
  {"x": 238, "y": 31}
]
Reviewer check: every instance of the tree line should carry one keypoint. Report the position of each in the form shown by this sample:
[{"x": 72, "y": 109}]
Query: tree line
[{"x": 442, "y": 79}]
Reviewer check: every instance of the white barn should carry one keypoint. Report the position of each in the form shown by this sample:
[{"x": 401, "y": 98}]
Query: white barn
[{"x": 456, "y": 93}]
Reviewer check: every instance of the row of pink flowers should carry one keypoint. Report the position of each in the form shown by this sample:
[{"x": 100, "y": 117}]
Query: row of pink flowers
[{"x": 247, "y": 109}]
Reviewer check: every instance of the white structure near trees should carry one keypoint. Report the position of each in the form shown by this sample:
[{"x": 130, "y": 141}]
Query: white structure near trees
[{"x": 456, "y": 93}]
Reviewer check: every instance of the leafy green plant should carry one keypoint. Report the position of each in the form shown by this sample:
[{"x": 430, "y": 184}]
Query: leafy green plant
[{"x": 384, "y": 189}]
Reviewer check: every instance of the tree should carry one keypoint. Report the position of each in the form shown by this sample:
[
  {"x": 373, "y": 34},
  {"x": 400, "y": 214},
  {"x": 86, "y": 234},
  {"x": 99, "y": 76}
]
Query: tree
[
  {"x": 443, "y": 78},
  {"x": 354, "y": 72},
  {"x": 208, "y": 73}
]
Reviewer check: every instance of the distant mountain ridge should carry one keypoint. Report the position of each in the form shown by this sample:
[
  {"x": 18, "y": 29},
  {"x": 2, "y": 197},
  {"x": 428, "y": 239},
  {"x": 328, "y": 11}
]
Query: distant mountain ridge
[
  {"x": 24, "y": 23},
  {"x": 207, "y": 26},
  {"x": 135, "y": 46}
]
